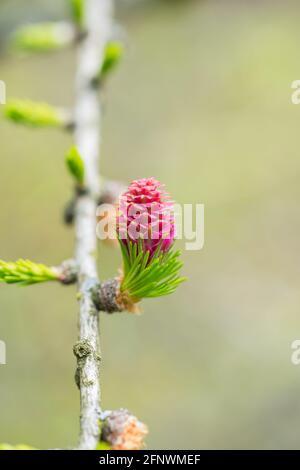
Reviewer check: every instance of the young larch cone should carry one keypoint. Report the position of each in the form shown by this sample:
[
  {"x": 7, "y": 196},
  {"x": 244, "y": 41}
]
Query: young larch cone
[
  {"x": 123, "y": 431},
  {"x": 146, "y": 212}
]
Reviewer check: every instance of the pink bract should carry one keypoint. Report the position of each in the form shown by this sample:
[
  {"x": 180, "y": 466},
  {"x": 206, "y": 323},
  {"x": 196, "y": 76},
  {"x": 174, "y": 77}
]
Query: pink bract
[{"x": 146, "y": 212}]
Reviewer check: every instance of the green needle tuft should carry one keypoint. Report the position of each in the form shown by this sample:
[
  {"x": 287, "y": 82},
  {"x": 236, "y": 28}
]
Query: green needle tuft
[
  {"x": 33, "y": 114},
  {"x": 154, "y": 278},
  {"x": 43, "y": 37},
  {"x": 25, "y": 272}
]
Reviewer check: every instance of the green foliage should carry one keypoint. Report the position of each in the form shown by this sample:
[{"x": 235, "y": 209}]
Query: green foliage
[
  {"x": 75, "y": 165},
  {"x": 103, "y": 446},
  {"x": 149, "y": 278},
  {"x": 43, "y": 37},
  {"x": 113, "y": 54},
  {"x": 33, "y": 114},
  {"x": 25, "y": 272},
  {"x": 78, "y": 11},
  {"x": 16, "y": 447}
]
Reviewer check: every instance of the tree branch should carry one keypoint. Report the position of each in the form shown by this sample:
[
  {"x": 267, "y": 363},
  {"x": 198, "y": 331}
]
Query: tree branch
[{"x": 87, "y": 139}]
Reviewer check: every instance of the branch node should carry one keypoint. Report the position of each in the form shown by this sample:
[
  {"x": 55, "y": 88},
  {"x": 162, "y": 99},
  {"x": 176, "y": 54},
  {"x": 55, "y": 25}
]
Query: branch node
[
  {"x": 69, "y": 211},
  {"x": 106, "y": 296},
  {"x": 68, "y": 272},
  {"x": 82, "y": 349}
]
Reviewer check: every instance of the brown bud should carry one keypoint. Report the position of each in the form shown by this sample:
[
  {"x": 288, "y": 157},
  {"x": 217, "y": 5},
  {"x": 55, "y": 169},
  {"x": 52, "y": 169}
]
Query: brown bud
[
  {"x": 68, "y": 272},
  {"x": 105, "y": 296},
  {"x": 69, "y": 212},
  {"x": 108, "y": 297},
  {"x": 123, "y": 431}
]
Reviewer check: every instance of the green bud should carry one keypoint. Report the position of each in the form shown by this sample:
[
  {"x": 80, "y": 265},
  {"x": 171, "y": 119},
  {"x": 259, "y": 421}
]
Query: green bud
[
  {"x": 103, "y": 446},
  {"x": 34, "y": 114},
  {"x": 43, "y": 37},
  {"x": 25, "y": 272},
  {"x": 75, "y": 165},
  {"x": 113, "y": 54},
  {"x": 78, "y": 10}
]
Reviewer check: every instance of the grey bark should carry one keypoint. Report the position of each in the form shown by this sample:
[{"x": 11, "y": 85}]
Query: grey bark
[{"x": 87, "y": 138}]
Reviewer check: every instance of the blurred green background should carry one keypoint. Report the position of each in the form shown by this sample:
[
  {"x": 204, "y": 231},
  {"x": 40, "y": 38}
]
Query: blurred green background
[{"x": 202, "y": 102}]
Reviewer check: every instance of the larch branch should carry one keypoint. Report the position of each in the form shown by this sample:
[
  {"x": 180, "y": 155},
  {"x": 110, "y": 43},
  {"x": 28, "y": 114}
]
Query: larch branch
[{"x": 91, "y": 49}]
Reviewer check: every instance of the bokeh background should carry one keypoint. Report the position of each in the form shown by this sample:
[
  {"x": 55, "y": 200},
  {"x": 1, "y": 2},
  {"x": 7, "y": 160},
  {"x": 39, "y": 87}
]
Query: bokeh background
[{"x": 202, "y": 102}]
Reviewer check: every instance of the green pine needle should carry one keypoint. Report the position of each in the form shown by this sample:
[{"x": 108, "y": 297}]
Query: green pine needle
[
  {"x": 113, "y": 54},
  {"x": 33, "y": 114},
  {"x": 25, "y": 272},
  {"x": 75, "y": 165},
  {"x": 43, "y": 37},
  {"x": 154, "y": 278}
]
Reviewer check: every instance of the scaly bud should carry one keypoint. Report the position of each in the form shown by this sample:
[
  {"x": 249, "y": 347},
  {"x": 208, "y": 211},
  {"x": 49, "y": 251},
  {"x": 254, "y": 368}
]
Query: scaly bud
[
  {"x": 123, "y": 431},
  {"x": 67, "y": 272}
]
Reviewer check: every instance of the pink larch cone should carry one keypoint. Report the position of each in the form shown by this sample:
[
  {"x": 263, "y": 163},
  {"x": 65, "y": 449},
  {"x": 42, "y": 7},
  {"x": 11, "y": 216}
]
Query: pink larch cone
[{"x": 146, "y": 212}]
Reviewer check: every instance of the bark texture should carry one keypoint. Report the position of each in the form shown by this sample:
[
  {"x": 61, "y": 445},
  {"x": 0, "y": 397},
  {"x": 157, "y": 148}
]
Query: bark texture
[{"x": 87, "y": 133}]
